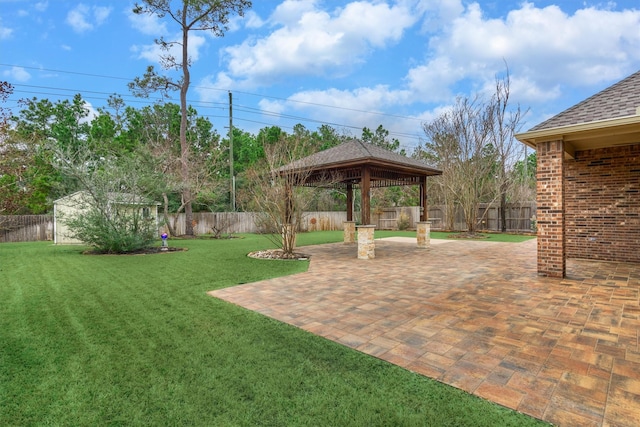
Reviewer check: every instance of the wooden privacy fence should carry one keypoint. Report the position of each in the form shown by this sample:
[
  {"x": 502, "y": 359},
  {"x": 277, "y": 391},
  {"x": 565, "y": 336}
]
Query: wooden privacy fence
[
  {"x": 26, "y": 228},
  {"x": 520, "y": 217},
  {"x": 249, "y": 222}
]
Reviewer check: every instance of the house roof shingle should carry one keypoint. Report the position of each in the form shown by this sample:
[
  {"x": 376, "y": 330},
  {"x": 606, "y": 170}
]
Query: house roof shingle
[{"x": 619, "y": 100}]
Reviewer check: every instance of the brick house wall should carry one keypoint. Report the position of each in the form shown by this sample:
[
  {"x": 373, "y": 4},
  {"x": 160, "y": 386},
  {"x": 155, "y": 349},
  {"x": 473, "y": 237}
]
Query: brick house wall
[
  {"x": 602, "y": 204},
  {"x": 550, "y": 209}
]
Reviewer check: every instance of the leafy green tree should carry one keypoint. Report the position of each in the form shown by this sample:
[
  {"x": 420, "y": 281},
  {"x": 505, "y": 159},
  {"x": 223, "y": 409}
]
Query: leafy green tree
[
  {"x": 116, "y": 129},
  {"x": 326, "y": 137},
  {"x": 381, "y": 138},
  {"x": 40, "y": 125},
  {"x": 246, "y": 150},
  {"x": 64, "y": 122},
  {"x": 389, "y": 196},
  {"x": 524, "y": 176},
  {"x": 192, "y": 15}
]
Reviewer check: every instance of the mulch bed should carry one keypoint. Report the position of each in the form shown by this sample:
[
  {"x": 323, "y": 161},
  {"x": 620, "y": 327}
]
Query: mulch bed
[
  {"x": 467, "y": 236},
  {"x": 144, "y": 251},
  {"x": 278, "y": 254}
]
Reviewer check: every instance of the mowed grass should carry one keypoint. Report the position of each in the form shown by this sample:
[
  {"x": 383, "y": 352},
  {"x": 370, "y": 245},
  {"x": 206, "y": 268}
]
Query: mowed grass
[{"x": 134, "y": 340}]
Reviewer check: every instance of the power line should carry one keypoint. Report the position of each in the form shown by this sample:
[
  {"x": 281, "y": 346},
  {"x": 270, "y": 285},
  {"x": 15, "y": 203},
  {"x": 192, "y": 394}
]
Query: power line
[
  {"x": 226, "y": 90},
  {"x": 208, "y": 104}
]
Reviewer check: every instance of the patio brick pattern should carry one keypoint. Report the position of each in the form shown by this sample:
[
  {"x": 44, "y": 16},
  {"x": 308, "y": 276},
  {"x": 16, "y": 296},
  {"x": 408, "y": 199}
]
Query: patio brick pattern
[{"x": 477, "y": 316}]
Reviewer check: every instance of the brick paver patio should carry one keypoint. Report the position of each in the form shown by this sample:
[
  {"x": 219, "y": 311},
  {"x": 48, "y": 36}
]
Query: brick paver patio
[{"x": 476, "y": 315}]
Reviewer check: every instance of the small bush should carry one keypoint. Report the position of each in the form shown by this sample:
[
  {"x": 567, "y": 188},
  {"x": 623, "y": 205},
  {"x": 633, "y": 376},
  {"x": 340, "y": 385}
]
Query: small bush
[{"x": 403, "y": 221}]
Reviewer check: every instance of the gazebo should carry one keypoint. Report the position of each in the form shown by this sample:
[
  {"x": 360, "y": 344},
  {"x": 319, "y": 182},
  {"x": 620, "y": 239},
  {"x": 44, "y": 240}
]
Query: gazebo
[{"x": 356, "y": 164}]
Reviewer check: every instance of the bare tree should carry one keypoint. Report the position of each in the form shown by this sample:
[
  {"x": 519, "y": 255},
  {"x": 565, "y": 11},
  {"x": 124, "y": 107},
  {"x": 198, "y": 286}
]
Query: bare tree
[
  {"x": 276, "y": 190},
  {"x": 505, "y": 124},
  {"x": 442, "y": 150},
  {"x": 192, "y": 15},
  {"x": 459, "y": 142}
]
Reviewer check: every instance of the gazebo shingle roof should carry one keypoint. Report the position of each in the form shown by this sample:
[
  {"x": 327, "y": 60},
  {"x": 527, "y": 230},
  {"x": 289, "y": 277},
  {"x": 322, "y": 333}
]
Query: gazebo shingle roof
[
  {"x": 356, "y": 163},
  {"x": 619, "y": 100},
  {"x": 358, "y": 152}
]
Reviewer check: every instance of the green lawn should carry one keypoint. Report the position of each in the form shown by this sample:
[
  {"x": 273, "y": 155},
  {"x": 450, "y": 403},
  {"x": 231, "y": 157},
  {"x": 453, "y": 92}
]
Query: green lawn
[{"x": 134, "y": 340}]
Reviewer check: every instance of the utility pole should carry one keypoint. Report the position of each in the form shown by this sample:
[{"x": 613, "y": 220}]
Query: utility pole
[{"x": 232, "y": 178}]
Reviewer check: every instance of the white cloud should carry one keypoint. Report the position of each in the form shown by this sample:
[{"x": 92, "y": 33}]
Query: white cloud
[
  {"x": 207, "y": 88},
  {"x": 545, "y": 45},
  {"x": 92, "y": 113},
  {"x": 17, "y": 74},
  {"x": 252, "y": 20},
  {"x": 77, "y": 19},
  {"x": 5, "y": 32},
  {"x": 41, "y": 6},
  {"x": 270, "y": 107},
  {"x": 84, "y": 18},
  {"x": 101, "y": 14},
  {"x": 146, "y": 23},
  {"x": 438, "y": 13},
  {"x": 435, "y": 80},
  {"x": 357, "y": 108},
  {"x": 310, "y": 41}
]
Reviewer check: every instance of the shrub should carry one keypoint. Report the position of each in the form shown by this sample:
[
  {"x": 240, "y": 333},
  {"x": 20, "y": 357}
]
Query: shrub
[
  {"x": 122, "y": 230},
  {"x": 403, "y": 221}
]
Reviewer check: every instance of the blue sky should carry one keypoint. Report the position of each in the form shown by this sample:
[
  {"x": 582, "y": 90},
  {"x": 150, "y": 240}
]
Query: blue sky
[{"x": 349, "y": 64}]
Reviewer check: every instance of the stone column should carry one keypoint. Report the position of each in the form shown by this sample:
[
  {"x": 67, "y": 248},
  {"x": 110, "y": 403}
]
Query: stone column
[
  {"x": 349, "y": 231},
  {"x": 550, "y": 209},
  {"x": 423, "y": 233},
  {"x": 366, "y": 244}
]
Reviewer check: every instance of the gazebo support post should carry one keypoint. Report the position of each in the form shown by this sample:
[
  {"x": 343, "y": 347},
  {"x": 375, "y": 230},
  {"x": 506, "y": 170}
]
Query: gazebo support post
[
  {"x": 349, "y": 202},
  {"x": 366, "y": 243},
  {"x": 424, "y": 213},
  {"x": 365, "y": 192},
  {"x": 349, "y": 231},
  {"x": 423, "y": 232}
]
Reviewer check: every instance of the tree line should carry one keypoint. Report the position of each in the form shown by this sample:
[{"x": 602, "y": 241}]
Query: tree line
[{"x": 48, "y": 146}]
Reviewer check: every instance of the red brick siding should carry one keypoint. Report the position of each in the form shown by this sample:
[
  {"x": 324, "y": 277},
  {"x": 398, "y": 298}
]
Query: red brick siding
[
  {"x": 602, "y": 204},
  {"x": 550, "y": 209}
]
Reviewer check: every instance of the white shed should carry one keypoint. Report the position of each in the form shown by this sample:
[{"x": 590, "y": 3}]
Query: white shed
[{"x": 70, "y": 205}]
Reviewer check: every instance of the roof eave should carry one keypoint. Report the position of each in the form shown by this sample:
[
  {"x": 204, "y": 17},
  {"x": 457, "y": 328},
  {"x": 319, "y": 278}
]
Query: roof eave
[
  {"x": 531, "y": 138},
  {"x": 368, "y": 161}
]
